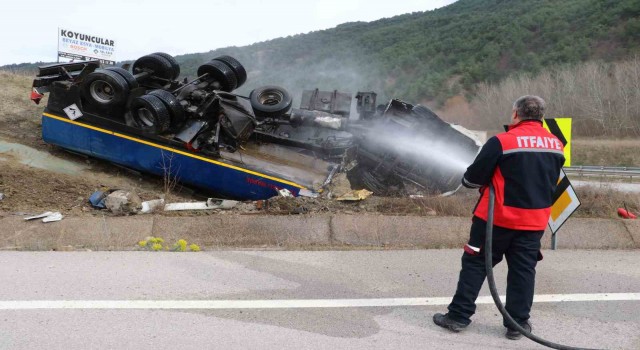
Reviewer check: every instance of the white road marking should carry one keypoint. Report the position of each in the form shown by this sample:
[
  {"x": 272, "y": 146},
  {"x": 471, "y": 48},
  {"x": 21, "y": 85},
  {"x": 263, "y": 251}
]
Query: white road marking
[{"x": 288, "y": 304}]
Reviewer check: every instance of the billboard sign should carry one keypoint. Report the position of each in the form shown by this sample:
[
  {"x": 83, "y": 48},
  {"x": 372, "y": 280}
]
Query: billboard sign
[{"x": 83, "y": 46}]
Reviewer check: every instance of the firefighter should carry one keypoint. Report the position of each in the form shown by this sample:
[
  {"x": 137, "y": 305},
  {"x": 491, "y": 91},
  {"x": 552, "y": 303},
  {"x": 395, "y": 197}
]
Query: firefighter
[{"x": 523, "y": 164}]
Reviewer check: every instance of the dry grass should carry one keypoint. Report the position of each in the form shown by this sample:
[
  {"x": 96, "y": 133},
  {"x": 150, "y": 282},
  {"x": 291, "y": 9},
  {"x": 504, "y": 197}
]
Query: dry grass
[
  {"x": 19, "y": 116},
  {"x": 14, "y": 95},
  {"x": 604, "y": 203},
  {"x": 611, "y": 152}
]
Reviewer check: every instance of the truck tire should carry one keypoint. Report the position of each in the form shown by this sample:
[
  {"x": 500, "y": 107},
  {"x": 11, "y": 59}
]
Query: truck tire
[
  {"x": 174, "y": 63},
  {"x": 221, "y": 73},
  {"x": 105, "y": 88},
  {"x": 270, "y": 101},
  {"x": 236, "y": 66},
  {"x": 131, "y": 80},
  {"x": 150, "y": 114},
  {"x": 160, "y": 66},
  {"x": 173, "y": 105}
]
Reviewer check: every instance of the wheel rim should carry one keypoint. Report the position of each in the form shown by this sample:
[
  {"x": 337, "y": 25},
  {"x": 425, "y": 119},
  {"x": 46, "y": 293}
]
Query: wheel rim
[
  {"x": 270, "y": 98},
  {"x": 145, "y": 117},
  {"x": 101, "y": 91}
]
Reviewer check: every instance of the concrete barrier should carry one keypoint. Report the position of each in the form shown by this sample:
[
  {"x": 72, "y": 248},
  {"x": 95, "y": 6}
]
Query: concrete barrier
[{"x": 290, "y": 232}]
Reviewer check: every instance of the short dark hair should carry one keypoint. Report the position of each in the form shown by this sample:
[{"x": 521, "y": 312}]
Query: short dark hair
[{"x": 530, "y": 107}]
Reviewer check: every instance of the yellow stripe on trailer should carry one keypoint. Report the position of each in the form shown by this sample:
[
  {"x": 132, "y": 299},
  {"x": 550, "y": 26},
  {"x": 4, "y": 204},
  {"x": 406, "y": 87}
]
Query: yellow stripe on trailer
[{"x": 171, "y": 149}]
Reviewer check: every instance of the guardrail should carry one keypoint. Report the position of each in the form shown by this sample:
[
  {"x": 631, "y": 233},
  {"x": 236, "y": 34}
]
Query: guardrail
[{"x": 594, "y": 170}]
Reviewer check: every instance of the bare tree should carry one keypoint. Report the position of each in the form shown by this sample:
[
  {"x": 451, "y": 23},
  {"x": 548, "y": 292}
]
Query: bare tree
[{"x": 603, "y": 98}]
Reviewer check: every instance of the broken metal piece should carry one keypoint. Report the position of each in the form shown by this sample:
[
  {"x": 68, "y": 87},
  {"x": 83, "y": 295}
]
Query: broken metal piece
[{"x": 190, "y": 131}]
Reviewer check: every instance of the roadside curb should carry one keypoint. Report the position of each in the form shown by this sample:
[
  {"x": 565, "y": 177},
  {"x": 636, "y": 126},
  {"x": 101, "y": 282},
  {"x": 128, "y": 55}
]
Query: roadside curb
[{"x": 339, "y": 231}]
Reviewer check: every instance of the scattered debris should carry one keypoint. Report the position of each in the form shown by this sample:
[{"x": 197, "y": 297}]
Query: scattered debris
[
  {"x": 97, "y": 199},
  {"x": 123, "y": 202},
  {"x": 211, "y": 203},
  {"x": 285, "y": 193},
  {"x": 355, "y": 195},
  {"x": 339, "y": 185},
  {"x": 53, "y": 217},
  {"x": 151, "y": 206},
  {"x": 48, "y": 216},
  {"x": 307, "y": 193},
  {"x": 1, "y": 196}
]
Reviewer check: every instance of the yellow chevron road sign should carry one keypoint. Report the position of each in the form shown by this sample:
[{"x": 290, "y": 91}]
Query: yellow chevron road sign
[
  {"x": 561, "y": 128},
  {"x": 565, "y": 203}
]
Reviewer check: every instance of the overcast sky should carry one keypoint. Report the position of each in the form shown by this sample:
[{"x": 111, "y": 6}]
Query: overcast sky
[{"x": 29, "y": 29}]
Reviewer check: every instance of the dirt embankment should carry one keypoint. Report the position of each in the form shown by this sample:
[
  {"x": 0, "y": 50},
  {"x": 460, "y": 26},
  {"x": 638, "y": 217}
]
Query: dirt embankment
[{"x": 33, "y": 190}]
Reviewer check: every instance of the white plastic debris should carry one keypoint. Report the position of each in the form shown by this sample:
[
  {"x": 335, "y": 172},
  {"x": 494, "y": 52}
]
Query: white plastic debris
[
  {"x": 39, "y": 216},
  {"x": 53, "y": 217},
  {"x": 308, "y": 193},
  {"x": 285, "y": 193},
  {"x": 151, "y": 206},
  {"x": 211, "y": 203},
  {"x": 47, "y": 216},
  {"x": 1, "y": 196}
]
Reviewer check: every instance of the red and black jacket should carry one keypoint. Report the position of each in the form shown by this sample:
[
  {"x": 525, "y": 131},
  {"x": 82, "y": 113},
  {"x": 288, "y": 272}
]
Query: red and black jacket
[{"x": 524, "y": 165}]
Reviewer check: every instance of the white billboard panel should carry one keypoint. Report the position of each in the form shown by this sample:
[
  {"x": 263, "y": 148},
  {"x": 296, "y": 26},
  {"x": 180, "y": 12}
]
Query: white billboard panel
[{"x": 83, "y": 46}]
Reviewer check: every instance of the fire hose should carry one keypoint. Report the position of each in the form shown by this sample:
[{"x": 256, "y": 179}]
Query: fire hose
[{"x": 488, "y": 246}]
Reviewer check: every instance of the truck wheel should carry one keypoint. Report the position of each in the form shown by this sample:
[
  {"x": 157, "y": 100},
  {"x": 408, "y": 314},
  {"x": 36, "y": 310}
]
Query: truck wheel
[
  {"x": 150, "y": 114},
  {"x": 173, "y": 105},
  {"x": 221, "y": 73},
  {"x": 174, "y": 63},
  {"x": 160, "y": 66},
  {"x": 236, "y": 66},
  {"x": 105, "y": 88},
  {"x": 270, "y": 101},
  {"x": 131, "y": 80}
]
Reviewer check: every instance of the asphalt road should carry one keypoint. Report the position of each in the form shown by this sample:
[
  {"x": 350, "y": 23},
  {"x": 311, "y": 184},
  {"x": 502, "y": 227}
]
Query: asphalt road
[{"x": 269, "y": 300}]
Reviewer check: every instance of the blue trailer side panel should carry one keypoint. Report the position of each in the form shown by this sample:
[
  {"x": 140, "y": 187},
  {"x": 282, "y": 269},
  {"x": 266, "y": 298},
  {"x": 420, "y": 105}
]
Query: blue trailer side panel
[{"x": 226, "y": 179}]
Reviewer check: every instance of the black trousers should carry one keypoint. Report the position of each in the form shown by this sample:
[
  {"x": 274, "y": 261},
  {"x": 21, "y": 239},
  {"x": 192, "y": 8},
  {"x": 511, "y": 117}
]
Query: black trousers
[{"x": 522, "y": 251}]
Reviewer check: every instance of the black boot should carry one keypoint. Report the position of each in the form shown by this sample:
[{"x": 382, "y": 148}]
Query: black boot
[
  {"x": 514, "y": 334},
  {"x": 445, "y": 322}
]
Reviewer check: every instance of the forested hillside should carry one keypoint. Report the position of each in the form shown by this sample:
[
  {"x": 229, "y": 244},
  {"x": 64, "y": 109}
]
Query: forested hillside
[{"x": 428, "y": 56}]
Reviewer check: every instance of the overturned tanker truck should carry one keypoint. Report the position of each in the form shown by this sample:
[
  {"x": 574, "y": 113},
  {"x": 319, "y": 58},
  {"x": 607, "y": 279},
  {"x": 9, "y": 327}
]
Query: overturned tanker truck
[{"x": 201, "y": 133}]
